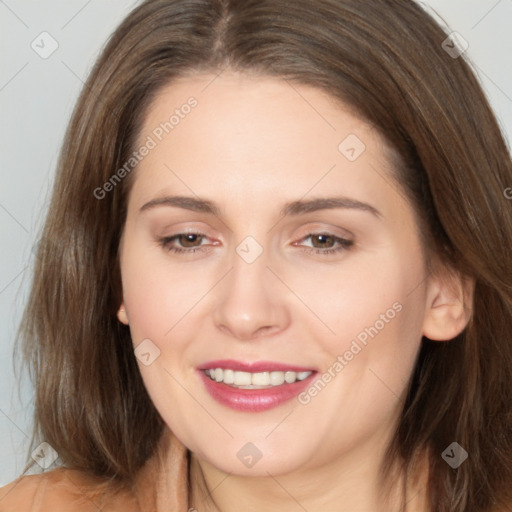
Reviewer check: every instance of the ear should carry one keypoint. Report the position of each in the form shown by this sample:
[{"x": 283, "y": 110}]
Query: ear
[
  {"x": 449, "y": 305},
  {"x": 121, "y": 314}
]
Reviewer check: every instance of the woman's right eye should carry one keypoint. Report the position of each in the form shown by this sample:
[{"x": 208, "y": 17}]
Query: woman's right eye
[{"x": 187, "y": 241}]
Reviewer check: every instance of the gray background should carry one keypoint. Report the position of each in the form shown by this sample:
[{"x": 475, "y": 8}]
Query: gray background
[{"x": 36, "y": 98}]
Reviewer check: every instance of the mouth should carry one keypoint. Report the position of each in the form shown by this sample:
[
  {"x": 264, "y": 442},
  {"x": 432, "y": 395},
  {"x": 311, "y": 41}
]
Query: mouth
[
  {"x": 258, "y": 380},
  {"x": 254, "y": 387}
]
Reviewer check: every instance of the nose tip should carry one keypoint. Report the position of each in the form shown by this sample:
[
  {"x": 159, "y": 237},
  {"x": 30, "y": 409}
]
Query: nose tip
[
  {"x": 247, "y": 331},
  {"x": 250, "y": 302}
]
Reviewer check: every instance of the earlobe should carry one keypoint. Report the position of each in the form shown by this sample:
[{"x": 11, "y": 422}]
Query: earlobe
[
  {"x": 121, "y": 314},
  {"x": 449, "y": 306}
]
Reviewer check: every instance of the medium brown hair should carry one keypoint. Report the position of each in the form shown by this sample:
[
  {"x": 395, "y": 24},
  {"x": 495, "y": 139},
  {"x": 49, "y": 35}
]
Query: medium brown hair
[{"x": 384, "y": 58}]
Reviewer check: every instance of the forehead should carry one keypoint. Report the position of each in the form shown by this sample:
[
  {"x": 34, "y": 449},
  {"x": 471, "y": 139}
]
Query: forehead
[
  {"x": 263, "y": 105},
  {"x": 255, "y": 135}
]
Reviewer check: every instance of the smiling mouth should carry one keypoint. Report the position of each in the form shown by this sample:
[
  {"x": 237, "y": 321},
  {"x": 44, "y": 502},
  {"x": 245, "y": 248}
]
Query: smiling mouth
[{"x": 255, "y": 380}]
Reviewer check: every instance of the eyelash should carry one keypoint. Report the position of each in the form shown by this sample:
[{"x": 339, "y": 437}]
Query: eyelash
[{"x": 343, "y": 244}]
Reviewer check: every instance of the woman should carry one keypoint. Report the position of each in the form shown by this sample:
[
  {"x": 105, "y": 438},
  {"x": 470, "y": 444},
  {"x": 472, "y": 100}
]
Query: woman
[{"x": 275, "y": 271}]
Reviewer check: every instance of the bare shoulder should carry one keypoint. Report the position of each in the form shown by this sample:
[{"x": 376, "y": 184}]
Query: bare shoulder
[{"x": 64, "y": 490}]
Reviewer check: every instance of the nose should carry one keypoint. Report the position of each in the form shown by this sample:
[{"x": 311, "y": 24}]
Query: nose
[{"x": 251, "y": 301}]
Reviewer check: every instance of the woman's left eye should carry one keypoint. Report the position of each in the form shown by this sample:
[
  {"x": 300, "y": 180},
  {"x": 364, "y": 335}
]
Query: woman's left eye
[
  {"x": 327, "y": 243},
  {"x": 322, "y": 243}
]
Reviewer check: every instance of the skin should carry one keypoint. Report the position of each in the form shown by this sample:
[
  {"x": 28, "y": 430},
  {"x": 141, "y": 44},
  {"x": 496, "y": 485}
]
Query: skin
[{"x": 251, "y": 145}]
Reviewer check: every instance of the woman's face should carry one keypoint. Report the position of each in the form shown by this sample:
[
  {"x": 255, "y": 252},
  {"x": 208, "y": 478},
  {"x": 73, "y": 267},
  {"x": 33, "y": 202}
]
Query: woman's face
[{"x": 299, "y": 258}]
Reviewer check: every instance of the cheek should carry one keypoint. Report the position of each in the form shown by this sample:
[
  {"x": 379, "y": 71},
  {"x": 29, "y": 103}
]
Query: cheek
[
  {"x": 374, "y": 308},
  {"x": 361, "y": 298},
  {"x": 156, "y": 296},
  {"x": 376, "y": 312}
]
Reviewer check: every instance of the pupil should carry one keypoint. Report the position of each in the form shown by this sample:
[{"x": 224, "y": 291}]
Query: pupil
[
  {"x": 324, "y": 239},
  {"x": 188, "y": 239}
]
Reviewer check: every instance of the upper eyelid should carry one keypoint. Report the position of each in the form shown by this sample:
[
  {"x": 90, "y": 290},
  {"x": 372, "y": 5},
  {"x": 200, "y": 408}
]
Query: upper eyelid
[{"x": 314, "y": 227}]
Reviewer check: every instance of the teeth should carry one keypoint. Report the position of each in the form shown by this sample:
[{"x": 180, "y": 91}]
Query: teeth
[
  {"x": 290, "y": 377},
  {"x": 229, "y": 377},
  {"x": 241, "y": 378},
  {"x": 276, "y": 378},
  {"x": 258, "y": 380}
]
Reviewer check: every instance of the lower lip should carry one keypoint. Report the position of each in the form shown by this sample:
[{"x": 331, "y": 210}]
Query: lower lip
[{"x": 253, "y": 400}]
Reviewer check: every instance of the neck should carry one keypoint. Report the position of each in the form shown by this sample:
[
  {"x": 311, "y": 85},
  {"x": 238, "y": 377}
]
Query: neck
[{"x": 343, "y": 486}]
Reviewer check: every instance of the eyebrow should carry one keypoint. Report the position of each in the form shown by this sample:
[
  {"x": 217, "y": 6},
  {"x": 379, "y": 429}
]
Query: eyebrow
[{"x": 293, "y": 208}]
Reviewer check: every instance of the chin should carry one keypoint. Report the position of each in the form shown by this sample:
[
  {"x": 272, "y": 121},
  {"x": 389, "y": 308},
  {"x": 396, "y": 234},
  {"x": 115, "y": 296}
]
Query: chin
[{"x": 255, "y": 458}]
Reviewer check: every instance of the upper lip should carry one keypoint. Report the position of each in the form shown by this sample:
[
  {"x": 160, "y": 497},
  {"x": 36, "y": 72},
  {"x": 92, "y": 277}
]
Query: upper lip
[{"x": 253, "y": 366}]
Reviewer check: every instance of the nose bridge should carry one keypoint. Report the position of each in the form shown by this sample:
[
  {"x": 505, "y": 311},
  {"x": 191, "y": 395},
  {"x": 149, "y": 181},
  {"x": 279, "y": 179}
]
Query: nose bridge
[
  {"x": 249, "y": 263},
  {"x": 249, "y": 273},
  {"x": 250, "y": 301}
]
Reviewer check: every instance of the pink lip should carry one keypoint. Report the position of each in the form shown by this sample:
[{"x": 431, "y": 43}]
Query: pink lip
[
  {"x": 253, "y": 400},
  {"x": 256, "y": 366}
]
